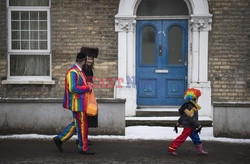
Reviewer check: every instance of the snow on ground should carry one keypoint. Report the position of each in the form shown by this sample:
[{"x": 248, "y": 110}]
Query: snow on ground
[{"x": 141, "y": 133}]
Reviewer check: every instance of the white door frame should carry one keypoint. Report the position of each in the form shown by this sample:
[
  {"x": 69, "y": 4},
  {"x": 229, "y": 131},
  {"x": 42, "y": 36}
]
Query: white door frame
[{"x": 199, "y": 24}]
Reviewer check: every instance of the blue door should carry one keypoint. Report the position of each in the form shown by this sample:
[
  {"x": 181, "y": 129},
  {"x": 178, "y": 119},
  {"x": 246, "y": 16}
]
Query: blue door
[{"x": 161, "y": 57}]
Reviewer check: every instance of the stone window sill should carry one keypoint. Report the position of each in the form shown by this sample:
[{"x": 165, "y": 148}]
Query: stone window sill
[{"x": 42, "y": 82}]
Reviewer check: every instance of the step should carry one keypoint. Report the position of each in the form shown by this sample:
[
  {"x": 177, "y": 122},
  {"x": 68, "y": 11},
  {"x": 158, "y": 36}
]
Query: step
[
  {"x": 163, "y": 112},
  {"x": 162, "y": 121}
]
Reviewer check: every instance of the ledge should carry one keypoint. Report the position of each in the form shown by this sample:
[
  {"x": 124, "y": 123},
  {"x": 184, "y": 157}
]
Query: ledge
[
  {"x": 110, "y": 100},
  {"x": 231, "y": 104},
  {"x": 49, "y": 82},
  {"x": 55, "y": 100}
]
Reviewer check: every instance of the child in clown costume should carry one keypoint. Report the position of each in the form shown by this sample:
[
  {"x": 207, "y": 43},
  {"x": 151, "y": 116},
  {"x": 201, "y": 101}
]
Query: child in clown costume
[{"x": 189, "y": 120}]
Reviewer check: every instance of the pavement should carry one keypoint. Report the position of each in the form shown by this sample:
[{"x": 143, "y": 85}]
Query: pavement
[{"x": 37, "y": 150}]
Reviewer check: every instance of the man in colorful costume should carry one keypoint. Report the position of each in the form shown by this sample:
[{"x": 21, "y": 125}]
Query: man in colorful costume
[
  {"x": 189, "y": 120},
  {"x": 75, "y": 100}
]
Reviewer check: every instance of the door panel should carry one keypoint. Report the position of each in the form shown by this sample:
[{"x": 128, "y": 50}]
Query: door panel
[
  {"x": 148, "y": 88},
  {"x": 161, "y": 73},
  {"x": 173, "y": 87}
]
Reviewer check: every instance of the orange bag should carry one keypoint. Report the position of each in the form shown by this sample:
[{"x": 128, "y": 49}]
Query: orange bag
[{"x": 92, "y": 108}]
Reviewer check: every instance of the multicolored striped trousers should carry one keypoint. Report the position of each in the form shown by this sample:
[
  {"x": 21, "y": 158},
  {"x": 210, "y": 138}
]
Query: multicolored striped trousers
[{"x": 79, "y": 125}]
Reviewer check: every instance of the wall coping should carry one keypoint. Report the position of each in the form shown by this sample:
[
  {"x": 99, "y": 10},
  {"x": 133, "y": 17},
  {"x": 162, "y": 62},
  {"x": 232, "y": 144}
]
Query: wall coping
[
  {"x": 231, "y": 104},
  {"x": 55, "y": 100}
]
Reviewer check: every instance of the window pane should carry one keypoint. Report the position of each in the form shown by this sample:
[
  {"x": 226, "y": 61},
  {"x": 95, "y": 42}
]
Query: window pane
[
  {"x": 25, "y": 35},
  {"x": 148, "y": 45},
  {"x": 15, "y": 45},
  {"x": 34, "y": 35},
  {"x": 43, "y": 35},
  {"x": 33, "y": 15},
  {"x": 24, "y": 45},
  {"x": 34, "y": 45},
  {"x": 43, "y": 15},
  {"x": 162, "y": 7},
  {"x": 29, "y": 2},
  {"x": 43, "y": 26},
  {"x": 25, "y": 25},
  {"x": 43, "y": 45},
  {"x": 34, "y": 25},
  {"x": 175, "y": 46},
  {"x": 15, "y": 25},
  {"x": 15, "y": 15},
  {"x": 29, "y": 65},
  {"x": 15, "y": 35},
  {"x": 24, "y": 15}
]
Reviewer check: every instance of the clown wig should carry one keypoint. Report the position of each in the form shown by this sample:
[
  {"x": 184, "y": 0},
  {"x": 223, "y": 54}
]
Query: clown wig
[{"x": 192, "y": 94}]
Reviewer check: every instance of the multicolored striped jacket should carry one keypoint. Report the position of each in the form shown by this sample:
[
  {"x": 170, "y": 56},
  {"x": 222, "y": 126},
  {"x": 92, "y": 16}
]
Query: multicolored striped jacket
[{"x": 75, "y": 89}]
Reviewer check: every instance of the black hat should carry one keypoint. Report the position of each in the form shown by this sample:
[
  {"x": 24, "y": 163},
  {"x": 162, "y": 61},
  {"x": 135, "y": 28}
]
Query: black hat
[
  {"x": 91, "y": 52},
  {"x": 81, "y": 55}
]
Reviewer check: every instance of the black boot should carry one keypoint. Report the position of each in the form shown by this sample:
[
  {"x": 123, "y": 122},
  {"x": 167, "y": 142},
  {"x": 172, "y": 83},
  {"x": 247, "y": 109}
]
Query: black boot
[{"x": 58, "y": 143}]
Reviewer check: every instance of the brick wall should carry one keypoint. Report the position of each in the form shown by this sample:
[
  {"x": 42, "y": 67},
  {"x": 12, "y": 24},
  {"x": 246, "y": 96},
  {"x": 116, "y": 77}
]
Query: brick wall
[
  {"x": 74, "y": 23},
  {"x": 229, "y": 54},
  {"x": 3, "y": 45},
  {"x": 91, "y": 23}
]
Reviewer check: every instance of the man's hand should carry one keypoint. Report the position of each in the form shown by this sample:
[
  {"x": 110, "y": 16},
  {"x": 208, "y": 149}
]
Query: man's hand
[
  {"x": 90, "y": 86},
  {"x": 89, "y": 83}
]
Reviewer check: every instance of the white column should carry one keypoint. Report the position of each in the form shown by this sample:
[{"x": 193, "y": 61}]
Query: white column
[
  {"x": 203, "y": 66},
  {"x": 131, "y": 54},
  {"x": 122, "y": 54},
  {"x": 126, "y": 62},
  {"x": 201, "y": 24},
  {"x": 125, "y": 28},
  {"x": 195, "y": 57}
]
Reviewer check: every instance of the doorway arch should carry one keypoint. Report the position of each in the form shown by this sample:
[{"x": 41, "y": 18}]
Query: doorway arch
[{"x": 199, "y": 25}]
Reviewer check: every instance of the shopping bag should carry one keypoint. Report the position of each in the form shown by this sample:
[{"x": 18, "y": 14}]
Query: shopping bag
[{"x": 92, "y": 107}]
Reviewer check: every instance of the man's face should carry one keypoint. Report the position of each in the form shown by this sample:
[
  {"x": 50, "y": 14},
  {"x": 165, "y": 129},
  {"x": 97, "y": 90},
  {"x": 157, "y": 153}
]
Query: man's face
[{"x": 90, "y": 60}]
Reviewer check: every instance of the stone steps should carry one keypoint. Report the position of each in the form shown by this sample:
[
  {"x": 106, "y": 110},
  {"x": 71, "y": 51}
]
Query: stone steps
[
  {"x": 162, "y": 121},
  {"x": 157, "y": 112},
  {"x": 160, "y": 116}
]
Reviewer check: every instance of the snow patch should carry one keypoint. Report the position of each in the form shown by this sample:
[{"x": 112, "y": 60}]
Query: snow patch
[{"x": 140, "y": 133}]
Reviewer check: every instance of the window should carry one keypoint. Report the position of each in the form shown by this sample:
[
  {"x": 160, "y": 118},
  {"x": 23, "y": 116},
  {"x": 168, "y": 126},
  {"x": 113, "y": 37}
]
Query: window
[
  {"x": 148, "y": 45},
  {"x": 29, "y": 53},
  {"x": 162, "y": 7},
  {"x": 175, "y": 46}
]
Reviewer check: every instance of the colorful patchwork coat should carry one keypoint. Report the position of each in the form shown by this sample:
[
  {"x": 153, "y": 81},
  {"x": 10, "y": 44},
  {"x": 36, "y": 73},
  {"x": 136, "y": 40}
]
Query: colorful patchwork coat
[{"x": 75, "y": 89}]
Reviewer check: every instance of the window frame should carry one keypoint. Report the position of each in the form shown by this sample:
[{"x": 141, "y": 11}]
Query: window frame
[{"x": 26, "y": 79}]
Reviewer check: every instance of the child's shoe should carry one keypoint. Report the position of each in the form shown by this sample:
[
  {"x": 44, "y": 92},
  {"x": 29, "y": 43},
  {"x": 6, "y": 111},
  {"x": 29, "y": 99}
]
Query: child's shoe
[
  {"x": 200, "y": 150},
  {"x": 172, "y": 151}
]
